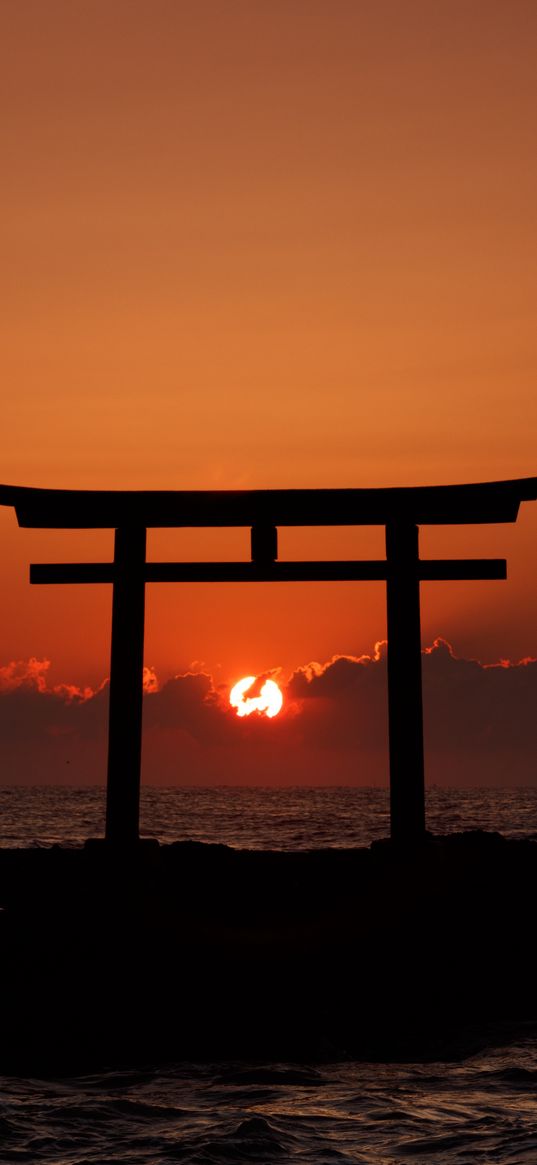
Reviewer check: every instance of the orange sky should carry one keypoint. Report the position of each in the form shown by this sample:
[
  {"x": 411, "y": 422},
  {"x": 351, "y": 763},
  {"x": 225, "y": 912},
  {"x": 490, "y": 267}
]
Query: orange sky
[{"x": 281, "y": 243}]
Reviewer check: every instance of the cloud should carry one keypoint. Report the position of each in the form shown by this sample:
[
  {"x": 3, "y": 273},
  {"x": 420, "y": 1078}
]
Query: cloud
[
  {"x": 480, "y": 717},
  {"x": 32, "y": 673},
  {"x": 49, "y": 734},
  {"x": 342, "y": 675},
  {"x": 150, "y": 680},
  {"x": 22, "y": 672},
  {"x": 479, "y": 725}
]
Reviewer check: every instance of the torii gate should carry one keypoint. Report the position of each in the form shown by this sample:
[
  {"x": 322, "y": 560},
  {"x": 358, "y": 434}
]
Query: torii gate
[{"x": 400, "y": 510}]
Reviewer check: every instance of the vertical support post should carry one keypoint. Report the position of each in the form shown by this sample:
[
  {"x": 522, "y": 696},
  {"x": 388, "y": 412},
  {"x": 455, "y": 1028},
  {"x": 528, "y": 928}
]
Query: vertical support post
[
  {"x": 264, "y": 543},
  {"x": 405, "y": 702},
  {"x": 126, "y": 687}
]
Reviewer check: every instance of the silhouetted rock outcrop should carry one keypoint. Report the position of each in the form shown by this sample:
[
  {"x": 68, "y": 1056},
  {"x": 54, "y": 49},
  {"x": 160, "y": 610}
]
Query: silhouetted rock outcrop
[{"x": 195, "y": 951}]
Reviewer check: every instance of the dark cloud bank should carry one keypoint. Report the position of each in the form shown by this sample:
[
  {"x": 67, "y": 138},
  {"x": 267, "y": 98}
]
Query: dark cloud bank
[{"x": 479, "y": 726}]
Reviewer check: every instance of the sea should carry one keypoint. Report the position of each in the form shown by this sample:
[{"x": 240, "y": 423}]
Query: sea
[
  {"x": 295, "y": 818},
  {"x": 479, "y": 1106}
]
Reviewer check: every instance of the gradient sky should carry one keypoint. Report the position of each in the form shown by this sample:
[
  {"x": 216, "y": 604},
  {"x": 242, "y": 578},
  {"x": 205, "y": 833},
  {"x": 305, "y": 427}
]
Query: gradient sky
[{"x": 280, "y": 243}]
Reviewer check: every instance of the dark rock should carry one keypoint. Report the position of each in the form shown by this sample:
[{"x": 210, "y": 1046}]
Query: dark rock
[{"x": 193, "y": 951}]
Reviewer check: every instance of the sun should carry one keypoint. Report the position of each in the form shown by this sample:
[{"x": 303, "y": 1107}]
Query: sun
[{"x": 268, "y": 702}]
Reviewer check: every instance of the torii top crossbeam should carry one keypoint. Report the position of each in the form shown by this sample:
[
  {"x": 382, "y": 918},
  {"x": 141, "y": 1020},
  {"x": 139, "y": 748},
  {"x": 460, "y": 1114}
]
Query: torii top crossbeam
[
  {"x": 496, "y": 501},
  {"x": 400, "y": 510}
]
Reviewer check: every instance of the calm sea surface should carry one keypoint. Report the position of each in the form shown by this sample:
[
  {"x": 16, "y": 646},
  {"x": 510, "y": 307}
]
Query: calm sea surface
[
  {"x": 482, "y": 1108},
  {"x": 248, "y": 818}
]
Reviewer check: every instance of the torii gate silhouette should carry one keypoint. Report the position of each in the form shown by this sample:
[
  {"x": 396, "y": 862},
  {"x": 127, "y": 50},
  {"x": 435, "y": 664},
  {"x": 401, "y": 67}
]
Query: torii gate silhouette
[{"x": 401, "y": 511}]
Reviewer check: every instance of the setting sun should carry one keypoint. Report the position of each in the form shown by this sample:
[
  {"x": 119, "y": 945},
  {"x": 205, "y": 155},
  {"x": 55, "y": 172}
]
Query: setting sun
[{"x": 269, "y": 701}]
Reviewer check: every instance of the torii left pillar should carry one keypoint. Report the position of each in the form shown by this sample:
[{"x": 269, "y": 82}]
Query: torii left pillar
[
  {"x": 126, "y": 687},
  {"x": 405, "y": 700}
]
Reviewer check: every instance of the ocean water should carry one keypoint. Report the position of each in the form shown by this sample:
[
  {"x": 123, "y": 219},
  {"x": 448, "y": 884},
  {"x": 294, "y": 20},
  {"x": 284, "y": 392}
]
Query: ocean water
[
  {"x": 482, "y": 1109},
  {"x": 479, "y": 1107},
  {"x": 253, "y": 818}
]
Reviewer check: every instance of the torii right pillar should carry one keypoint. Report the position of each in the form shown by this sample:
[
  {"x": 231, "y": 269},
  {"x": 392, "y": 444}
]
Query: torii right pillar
[{"x": 405, "y": 701}]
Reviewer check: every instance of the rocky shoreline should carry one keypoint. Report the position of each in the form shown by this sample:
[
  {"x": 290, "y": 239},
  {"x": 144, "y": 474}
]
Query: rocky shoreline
[{"x": 191, "y": 951}]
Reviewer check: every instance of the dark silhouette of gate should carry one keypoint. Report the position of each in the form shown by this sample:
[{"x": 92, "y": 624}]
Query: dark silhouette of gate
[{"x": 401, "y": 511}]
